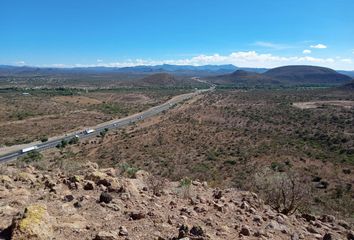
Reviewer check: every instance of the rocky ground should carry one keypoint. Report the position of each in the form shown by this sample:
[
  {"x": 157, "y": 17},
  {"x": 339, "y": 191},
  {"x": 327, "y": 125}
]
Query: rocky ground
[{"x": 101, "y": 204}]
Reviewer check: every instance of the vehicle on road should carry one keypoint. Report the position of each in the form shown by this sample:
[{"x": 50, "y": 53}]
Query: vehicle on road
[
  {"x": 25, "y": 150},
  {"x": 88, "y": 131}
]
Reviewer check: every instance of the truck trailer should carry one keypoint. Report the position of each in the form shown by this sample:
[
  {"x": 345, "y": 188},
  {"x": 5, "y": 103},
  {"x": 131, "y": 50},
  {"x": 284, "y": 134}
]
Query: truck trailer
[
  {"x": 29, "y": 149},
  {"x": 88, "y": 131}
]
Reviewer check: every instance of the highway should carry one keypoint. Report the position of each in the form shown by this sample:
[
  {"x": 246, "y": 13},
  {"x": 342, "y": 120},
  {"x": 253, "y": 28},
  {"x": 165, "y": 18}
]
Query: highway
[{"x": 113, "y": 124}]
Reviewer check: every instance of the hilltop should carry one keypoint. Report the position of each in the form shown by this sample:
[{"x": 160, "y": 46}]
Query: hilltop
[
  {"x": 307, "y": 75},
  {"x": 103, "y": 204},
  {"x": 242, "y": 77},
  {"x": 286, "y": 75}
]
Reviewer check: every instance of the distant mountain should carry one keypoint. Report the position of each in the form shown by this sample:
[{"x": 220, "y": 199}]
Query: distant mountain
[
  {"x": 299, "y": 74},
  {"x": 287, "y": 75},
  {"x": 175, "y": 69},
  {"x": 178, "y": 69},
  {"x": 242, "y": 77},
  {"x": 348, "y": 73}
]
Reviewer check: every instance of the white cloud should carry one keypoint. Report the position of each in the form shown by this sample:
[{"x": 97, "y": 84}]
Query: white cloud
[
  {"x": 99, "y": 60},
  {"x": 20, "y": 63},
  {"x": 59, "y": 65},
  {"x": 306, "y": 51},
  {"x": 240, "y": 59},
  {"x": 346, "y": 60},
  {"x": 319, "y": 46},
  {"x": 271, "y": 45}
]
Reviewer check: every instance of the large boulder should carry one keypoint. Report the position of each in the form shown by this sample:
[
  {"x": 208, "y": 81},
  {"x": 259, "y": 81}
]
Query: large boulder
[{"x": 34, "y": 224}]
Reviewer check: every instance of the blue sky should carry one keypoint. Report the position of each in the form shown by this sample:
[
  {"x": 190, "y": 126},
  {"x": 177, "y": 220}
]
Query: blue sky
[{"x": 252, "y": 33}]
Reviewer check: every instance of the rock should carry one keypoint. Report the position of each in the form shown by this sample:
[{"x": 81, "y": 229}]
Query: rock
[
  {"x": 347, "y": 171},
  {"x": 26, "y": 177},
  {"x": 294, "y": 236},
  {"x": 257, "y": 218},
  {"x": 197, "y": 231},
  {"x": 97, "y": 176},
  {"x": 5, "y": 179},
  {"x": 105, "y": 197},
  {"x": 308, "y": 217},
  {"x": 183, "y": 231},
  {"x": 77, "y": 205},
  {"x": 350, "y": 236},
  {"x": 327, "y": 218},
  {"x": 219, "y": 207},
  {"x": 109, "y": 171},
  {"x": 68, "y": 198},
  {"x": 278, "y": 227},
  {"x": 343, "y": 224},
  {"x": 106, "y": 236},
  {"x": 137, "y": 215},
  {"x": 311, "y": 229},
  {"x": 217, "y": 194},
  {"x": 105, "y": 182},
  {"x": 89, "y": 185},
  {"x": 91, "y": 166},
  {"x": 245, "y": 231},
  {"x": 141, "y": 175},
  {"x": 123, "y": 231},
  {"x": 327, "y": 236},
  {"x": 35, "y": 224}
]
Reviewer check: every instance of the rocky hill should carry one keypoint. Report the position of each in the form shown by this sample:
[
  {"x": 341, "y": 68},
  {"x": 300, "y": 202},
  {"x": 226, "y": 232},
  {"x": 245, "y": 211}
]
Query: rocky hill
[
  {"x": 307, "y": 75},
  {"x": 101, "y": 204},
  {"x": 242, "y": 77},
  {"x": 286, "y": 75}
]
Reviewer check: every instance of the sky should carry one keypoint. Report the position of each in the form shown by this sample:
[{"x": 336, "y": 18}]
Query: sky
[{"x": 252, "y": 33}]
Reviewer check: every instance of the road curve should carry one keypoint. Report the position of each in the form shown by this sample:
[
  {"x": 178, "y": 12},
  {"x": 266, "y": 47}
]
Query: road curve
[{"x": 117, "y": 123}]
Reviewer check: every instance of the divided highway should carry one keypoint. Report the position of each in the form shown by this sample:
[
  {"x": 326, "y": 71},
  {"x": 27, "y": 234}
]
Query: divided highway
[{"x": 118, "y": 123}]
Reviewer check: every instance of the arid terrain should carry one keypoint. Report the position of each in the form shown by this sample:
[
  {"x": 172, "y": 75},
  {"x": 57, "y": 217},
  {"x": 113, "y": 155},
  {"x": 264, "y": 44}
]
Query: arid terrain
[
  {"x": 229, "y": 163},
  {"x": 113, "y": 204},
  {"x": 35, "y": 114},
  {"x": 228, "y": 138}
]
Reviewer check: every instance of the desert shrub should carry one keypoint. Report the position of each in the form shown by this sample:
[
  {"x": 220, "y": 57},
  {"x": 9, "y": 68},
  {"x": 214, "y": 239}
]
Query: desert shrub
[
  {"x": 185, "y": 185},
  {"x": 74, "y": 140},
  {"x": 285, "y": 191},
  {"x": 32, "y": 156},
  {"x": 62, "y": 144},
  {"x": 128, "y": 170},
  {"x": 156, "y": 184},
  {"x": 44, "y": 139}
]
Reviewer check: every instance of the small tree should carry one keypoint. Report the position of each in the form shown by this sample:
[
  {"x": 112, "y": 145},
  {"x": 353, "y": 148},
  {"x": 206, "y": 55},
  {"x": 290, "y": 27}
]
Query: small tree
[{"x": 285, "y": 191}]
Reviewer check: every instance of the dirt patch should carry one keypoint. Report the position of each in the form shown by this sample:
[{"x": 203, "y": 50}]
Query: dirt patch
[{"x": 320, "y": 104}]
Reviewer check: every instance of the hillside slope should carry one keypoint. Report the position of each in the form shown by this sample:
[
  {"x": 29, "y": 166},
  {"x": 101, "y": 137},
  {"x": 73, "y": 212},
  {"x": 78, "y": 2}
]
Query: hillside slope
[
  {"x": 96, "y": 204},
  {"x": 287, "y": 75},
  {"x": 241, "y": 77},
  {"x": 307, "y": 75}
]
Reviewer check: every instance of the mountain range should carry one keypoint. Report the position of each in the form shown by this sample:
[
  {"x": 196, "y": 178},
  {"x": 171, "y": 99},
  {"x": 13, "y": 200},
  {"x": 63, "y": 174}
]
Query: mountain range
[{"x": 176, "y": 69}]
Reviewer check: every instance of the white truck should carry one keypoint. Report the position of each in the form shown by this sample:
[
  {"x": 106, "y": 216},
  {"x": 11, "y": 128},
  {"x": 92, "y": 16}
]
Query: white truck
[
  {"x": 29, "y": 149},
  {"x": 88, "y": 131}
]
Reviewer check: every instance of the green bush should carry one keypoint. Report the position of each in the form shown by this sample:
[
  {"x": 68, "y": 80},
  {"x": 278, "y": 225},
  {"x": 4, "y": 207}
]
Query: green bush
[{"x": 32, "y": 156}]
